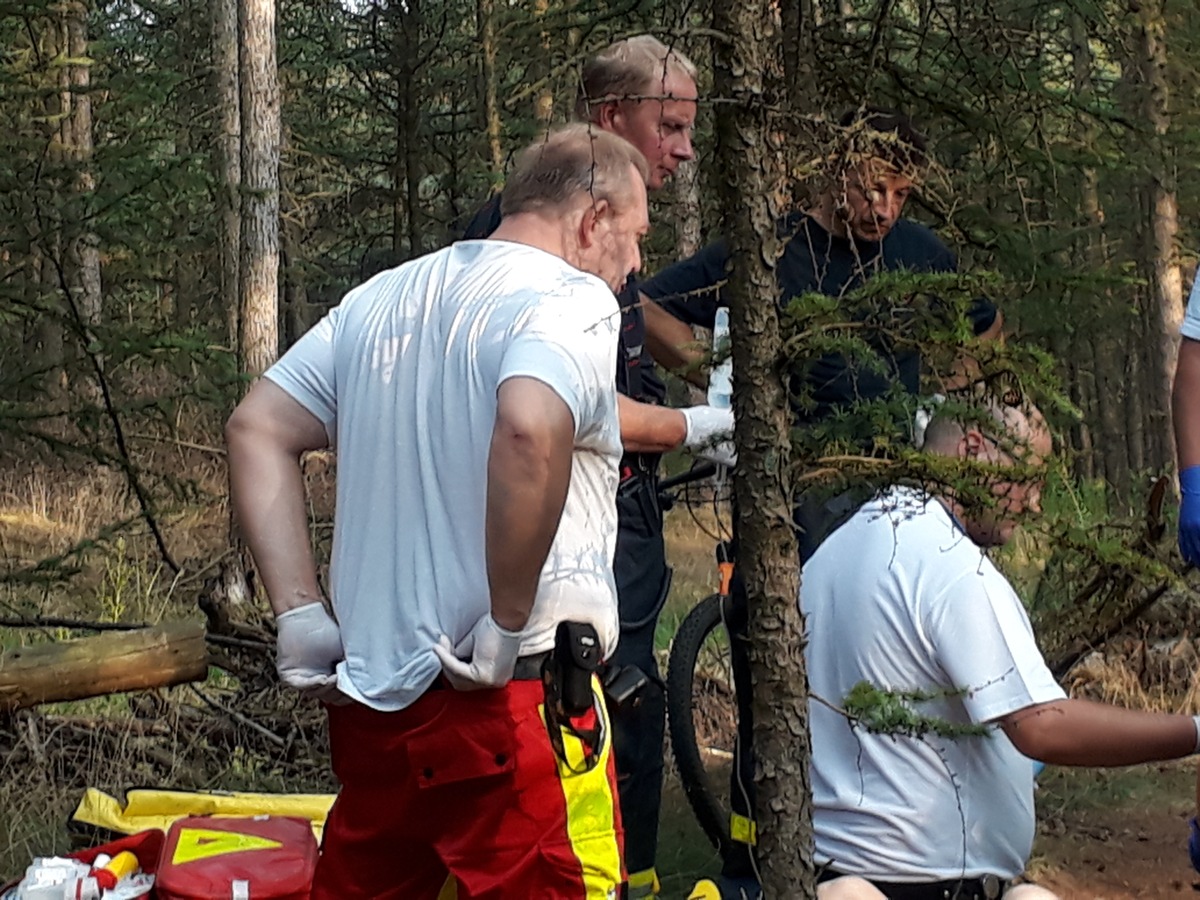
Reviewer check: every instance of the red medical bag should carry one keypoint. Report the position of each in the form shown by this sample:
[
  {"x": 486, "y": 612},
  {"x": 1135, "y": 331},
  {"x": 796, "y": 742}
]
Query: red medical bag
[{"x": 227, "y": 858}]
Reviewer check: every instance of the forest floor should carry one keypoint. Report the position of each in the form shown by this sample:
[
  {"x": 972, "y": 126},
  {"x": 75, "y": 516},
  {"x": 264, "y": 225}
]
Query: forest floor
[
  {"x": 1102, "y": 835},
  {"x": 1119, "y": 834}
]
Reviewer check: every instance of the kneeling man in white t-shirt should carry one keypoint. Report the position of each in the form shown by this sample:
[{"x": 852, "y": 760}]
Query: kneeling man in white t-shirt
[{"x": 903, "y": 597}]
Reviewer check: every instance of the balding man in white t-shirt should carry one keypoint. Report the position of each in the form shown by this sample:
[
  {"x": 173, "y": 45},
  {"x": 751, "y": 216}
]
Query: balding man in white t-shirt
[
  {"x": 469, "y": 395},
  {"x": 902, "y": 597}
]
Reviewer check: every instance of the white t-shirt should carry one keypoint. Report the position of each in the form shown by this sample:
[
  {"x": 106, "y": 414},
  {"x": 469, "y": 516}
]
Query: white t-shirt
[
  {"x": 404, "y": 375},
  {"x": 1191, "y": 318},
  {"x": 901, "y": 598}
]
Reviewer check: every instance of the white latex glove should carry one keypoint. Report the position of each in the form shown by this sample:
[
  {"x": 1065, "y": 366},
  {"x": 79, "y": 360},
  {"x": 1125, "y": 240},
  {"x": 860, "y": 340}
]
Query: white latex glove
[
  {"x": 308, "y": 648},
  {"x": 485, "y": 658},
  {"x": 707, "y": 426}
]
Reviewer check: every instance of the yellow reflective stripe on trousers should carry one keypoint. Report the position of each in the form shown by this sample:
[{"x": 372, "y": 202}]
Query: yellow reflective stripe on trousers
[{"x": 590, "y": 803}]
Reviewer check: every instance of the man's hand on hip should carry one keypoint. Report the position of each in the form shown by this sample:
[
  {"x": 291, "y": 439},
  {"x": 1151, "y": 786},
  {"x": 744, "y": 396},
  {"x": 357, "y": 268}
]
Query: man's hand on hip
[
  {"x": 308, "y": 648},
  {"x": 485, "y": 658},
  {"x": 1189, "y": 514}
]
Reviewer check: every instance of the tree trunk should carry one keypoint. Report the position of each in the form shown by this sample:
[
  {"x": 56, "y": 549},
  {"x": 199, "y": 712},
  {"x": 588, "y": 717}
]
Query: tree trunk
[
  {"x": 259, "y": 264},
  {"x": 83, "y": 251},
  {"x": 1164, "y": 307},
  {"x": 292, "y": 227},
  {"x": 1081, "y": 354},
  {"x": 228, "y": 158},
  {"x": 749, "y": 153},
  {"x": 406, "y": 169},
  {"x": 48, "y": 339},
  {"x": 104, "y": 664},
  {"x": 187, "y": 265},
  {"x": 543, "y": 103},
  {"x": 486, "y": 22},
  {"x": 687, "y": 209},
  {"x": 1109, "y": 370}
]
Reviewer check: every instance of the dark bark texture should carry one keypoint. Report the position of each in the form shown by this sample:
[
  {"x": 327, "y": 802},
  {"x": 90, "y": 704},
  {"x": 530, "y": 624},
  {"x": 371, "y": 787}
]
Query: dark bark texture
[{"x": 748, "y": 73}]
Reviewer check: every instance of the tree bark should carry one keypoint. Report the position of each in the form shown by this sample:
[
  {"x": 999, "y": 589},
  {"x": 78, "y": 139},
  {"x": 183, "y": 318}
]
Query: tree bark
[
  {"x": 747, "y": 74},
  {"x": 543, "y": 103},
  {"x": 259, "y": 264},
  {"x": 83, "y": 250},
  {"x": 687, "y": 209},
  {"x": 406, "y": 49},
  {"x": 226, "y": 90},
  {"x": 1082, "y": 353},
  {"x": 1164, "y": 308},
  {"x": 104, "y": 664},
  {"x": 486, "y": 22}
]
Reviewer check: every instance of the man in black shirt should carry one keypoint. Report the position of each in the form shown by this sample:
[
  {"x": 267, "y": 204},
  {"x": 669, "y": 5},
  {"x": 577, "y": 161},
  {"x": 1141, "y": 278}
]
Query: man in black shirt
[
  {"x": 645, "y": 92},
  {"x": 853, "y": 232}
]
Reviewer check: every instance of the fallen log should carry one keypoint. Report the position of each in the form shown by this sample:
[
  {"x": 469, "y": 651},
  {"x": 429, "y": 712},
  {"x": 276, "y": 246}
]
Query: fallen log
[{"x": 102, "y": 664}]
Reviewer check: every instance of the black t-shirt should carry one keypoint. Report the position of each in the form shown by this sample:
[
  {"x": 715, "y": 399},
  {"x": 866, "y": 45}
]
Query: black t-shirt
[
  {"x": 636, "y": 376},
  {"x": 815, "y": 260}
]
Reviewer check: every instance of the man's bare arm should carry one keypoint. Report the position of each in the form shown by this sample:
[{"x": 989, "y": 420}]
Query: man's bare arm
[
  {"x": 529, "y": 471},
  {"x": 1185, "y": 404},
  {"x": 1083, "y": 733},
  {"x": 672, "y": 344},
  {"x": 266, "y": 435},
  {"x": 646, "y": 428}
]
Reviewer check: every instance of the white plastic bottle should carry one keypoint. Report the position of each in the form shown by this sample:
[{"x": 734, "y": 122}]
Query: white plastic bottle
[
  {"x": 55, "y": 878},
  {"x": 720, "y": 379}
]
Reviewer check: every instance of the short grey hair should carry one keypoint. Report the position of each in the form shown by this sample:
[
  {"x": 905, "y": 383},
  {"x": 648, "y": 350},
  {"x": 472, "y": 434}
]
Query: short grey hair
[
  {"x": 570, "y": 161},
  {"x": 630, "y": 69}
]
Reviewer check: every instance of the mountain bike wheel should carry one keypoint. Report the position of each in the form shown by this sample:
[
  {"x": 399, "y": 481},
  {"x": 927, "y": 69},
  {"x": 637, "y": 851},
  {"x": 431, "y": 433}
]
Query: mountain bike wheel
[{"x": 702, "y": 714}]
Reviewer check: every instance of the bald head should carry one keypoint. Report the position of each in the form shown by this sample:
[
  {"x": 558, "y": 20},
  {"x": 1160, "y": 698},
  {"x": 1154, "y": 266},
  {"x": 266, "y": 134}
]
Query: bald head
[
  {"x": 1005, "y": 437},
  {"x": 1021, "y": 431}
]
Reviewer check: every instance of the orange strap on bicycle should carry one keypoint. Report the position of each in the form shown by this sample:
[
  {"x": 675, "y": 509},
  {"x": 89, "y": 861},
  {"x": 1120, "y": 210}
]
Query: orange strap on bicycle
[{"x": 726, "y": 572}]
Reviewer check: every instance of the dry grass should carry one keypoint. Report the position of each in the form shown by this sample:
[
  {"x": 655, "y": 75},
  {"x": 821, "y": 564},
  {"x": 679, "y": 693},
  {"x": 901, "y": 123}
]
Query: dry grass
[{"x": 169, "y": 738}]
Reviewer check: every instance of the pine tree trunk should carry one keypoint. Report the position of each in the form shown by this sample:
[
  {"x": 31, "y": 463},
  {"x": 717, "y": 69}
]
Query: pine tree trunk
[
  {"x": 406, "y": 169},
  {"x": 259, "y": 263},
  {"x": 747, "y": 73},
  {"x": 228, "y": 157},
  {"x": 485, "y": 13},
  {"x": 1164, "y": 307},
  {"x": 543, "y": 103},
  {"x": 187, "y": 264},
  {"x": 1109, "y": 369},
  {"x": 687, "y": 209},
  {"x": 48, "y": 343},
  {"x": 83, "y": 251},
  {"x": 292, "y": 226},
  {"x": 1081, "y": 354}
]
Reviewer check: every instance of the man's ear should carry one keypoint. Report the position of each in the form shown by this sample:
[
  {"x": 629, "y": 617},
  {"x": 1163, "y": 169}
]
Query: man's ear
[
  {"x": 592, "y": 220},
  {"x": 972, "y": 442},
  {"x": 607, "y": 115}
]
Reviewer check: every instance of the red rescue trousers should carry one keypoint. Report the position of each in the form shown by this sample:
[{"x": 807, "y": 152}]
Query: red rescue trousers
[{"x": 469, "y": 784}]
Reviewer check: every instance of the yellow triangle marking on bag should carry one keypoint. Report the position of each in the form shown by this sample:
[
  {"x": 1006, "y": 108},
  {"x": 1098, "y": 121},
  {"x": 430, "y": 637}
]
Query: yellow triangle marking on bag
[{"x": 202, "y": 843}]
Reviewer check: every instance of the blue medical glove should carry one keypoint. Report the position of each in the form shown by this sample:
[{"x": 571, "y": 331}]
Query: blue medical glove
[
  {"x": 1189, "y": 514},
  {"x": 1194, "y": 844}
]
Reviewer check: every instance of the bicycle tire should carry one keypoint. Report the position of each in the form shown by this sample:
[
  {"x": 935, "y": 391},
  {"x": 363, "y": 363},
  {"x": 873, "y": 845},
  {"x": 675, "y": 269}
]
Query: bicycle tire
[{"x": 683, "y": 662}]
